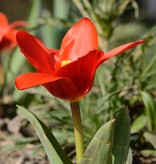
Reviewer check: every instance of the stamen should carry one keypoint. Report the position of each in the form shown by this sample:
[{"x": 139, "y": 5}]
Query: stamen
[{"x": 65, "y": 62}]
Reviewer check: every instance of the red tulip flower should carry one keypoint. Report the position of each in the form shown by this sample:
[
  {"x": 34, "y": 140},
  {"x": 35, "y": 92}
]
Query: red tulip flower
[
  {"x": 67, "y": 73},
  {"x": 8, "y": 33}
]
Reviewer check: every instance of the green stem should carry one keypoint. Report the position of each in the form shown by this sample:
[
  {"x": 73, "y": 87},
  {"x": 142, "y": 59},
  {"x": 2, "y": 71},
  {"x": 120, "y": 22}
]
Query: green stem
[{"x": 77, "y": 130}]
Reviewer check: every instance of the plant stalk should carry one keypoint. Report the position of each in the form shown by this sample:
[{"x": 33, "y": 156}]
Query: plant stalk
[{"x": 75, "y": 109}]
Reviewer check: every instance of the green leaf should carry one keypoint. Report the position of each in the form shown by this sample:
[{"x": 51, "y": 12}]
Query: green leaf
[
  {"x": 139, "y": 123},
  {"x": 52, "y": 147},
  {"x": 99, "y": 150},
  {"x": 121, "y": 137},
  {"x": 151, "y": 138},
  {"x": 150, "y": 110}
]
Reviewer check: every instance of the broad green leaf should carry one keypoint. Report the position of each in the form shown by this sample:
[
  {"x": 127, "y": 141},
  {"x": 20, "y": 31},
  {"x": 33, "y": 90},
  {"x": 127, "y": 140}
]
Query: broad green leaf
[
  {"x": 139, "y": 123},
  {"x": 150, "y": 109},
  {"x": 52, "y": 147},
  {"x": 99, "y": 150},
  {"x": 121, "y": 137},
  {"x": 151, "y": 138}
]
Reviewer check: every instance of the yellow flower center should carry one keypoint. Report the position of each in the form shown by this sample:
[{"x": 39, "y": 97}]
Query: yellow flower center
[{"x": 65, "y": 62}]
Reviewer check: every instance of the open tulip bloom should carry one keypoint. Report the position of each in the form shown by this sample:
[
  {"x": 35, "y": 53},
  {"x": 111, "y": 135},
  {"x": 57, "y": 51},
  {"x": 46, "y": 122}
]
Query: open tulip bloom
[
  {"x": 67, "y": 73},
  {"x": 8, "y": 32}
]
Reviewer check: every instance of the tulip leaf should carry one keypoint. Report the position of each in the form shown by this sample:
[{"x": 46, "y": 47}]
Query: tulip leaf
[
  {"x": 121, "y": 137},
  {"x": 54, "y": 151},
  {"x": 100, "y": 148}
]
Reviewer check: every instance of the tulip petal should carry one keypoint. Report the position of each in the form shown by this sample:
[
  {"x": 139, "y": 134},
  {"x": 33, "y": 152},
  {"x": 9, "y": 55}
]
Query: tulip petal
[
  {"x": 57, "y": 86},
  {"x": 121, "y": 49},
  {"x": 79, "y": 40},
  {"x": 9, "y": 40},
  {"x": 30, "y": 80},
  {"x": 63, "y": 89},
  {"x": 3, "y": 20},
  {"x": 82, "y": 71},
  {"x": 35, "y": 52},
  {"x": 3, "y": 26},
  {"x": 17, "y": 24}
]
